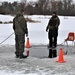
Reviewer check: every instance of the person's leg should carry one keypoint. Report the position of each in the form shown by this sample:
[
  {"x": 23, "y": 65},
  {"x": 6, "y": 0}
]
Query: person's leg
[
  {"x": 50, "y": 42},
  {"x": 54, "y": 52},
  {"x": 55, "y": 41},
  {"x": 55, "y": 37},
  {"x": 21, "y": 46},
  {"x": 16, "y": 46},
  {"x": 50, "y": 38},
  {"x": 50, "y": 53}
]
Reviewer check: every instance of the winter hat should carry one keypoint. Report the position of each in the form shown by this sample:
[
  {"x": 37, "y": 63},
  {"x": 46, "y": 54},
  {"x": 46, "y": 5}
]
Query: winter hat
[
  {"x": 22, "y": 10},
  {"x": 54, "y": 13}
]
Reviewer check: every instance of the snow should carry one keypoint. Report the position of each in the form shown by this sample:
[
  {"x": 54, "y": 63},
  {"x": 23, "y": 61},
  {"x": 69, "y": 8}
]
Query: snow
[
  {"x": 6, "y": 18},
  {"x": 37, "y": 63},
  {"x": 37, "y": 30},
  {"x": 5, "y": 73},
  {"x": 9, "y": 65}
]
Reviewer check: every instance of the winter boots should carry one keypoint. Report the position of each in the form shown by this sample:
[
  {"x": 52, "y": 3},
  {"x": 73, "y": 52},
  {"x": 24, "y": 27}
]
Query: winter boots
[
  {"x": 21, "y": 56},
  {"x": 52, "y": 53}
]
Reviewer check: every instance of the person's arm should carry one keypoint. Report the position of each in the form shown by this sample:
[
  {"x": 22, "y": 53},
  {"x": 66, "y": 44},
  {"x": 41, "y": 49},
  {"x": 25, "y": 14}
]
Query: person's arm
[
  {"x": 48, "y": 26},
  {"x": 26, "y": 28},
  {"x": 13, "y": 24},
  {"x": 24, "y": 25},
  {"x": 58, "y": 22}
]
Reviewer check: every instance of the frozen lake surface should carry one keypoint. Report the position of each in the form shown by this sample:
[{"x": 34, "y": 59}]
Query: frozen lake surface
[
  {"x": 37, "y": 31},
  {"x": 38, "y": 62}
]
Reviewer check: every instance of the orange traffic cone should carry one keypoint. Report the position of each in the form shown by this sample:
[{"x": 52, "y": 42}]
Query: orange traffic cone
[
  {"x": 61, "y": 59},
  {"x": 27, "y": 43}
]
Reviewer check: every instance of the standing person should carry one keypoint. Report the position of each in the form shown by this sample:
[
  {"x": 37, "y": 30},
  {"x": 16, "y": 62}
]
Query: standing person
[
  {"x": 53, "y": 30},
  {"x": 20, "y": 29}
]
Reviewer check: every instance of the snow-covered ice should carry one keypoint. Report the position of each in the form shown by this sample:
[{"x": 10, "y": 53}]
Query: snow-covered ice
[
  {"x": 9, "y": 65},
  {"x": 37, "y": 63},
  {"x": 37, "y": 31}
]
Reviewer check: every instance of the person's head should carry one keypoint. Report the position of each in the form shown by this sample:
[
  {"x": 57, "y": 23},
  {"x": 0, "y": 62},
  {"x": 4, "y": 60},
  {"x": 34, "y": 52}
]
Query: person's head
[
  {"x": 54, "y": 14},
  {"x": 22, "y": 11}
]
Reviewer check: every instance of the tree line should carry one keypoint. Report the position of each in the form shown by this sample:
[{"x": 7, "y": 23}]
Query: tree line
[{"x": 40, "y": 7}]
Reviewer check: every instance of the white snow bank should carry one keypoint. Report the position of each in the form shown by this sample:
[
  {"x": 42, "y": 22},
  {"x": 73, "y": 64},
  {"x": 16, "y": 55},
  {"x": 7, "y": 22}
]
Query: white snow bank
[{"x": 6, "y": 18}]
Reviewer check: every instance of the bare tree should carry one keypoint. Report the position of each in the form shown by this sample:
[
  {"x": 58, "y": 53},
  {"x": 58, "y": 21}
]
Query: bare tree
[
  {"x": 43, "y": 5},
  {"x": 67, "y": 6},
  {"x": 23, "y": 5},
  {"x": 54, "y": 5},
  {"x": 59, "y": 7},
  {"x": 69, "y": 3}
]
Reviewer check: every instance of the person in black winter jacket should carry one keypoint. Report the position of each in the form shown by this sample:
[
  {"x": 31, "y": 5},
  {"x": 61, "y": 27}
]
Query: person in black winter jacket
[{"x": 52, "y": 26}]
